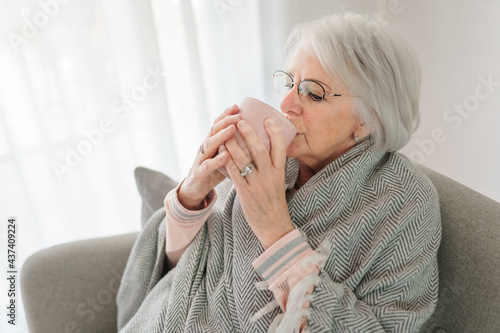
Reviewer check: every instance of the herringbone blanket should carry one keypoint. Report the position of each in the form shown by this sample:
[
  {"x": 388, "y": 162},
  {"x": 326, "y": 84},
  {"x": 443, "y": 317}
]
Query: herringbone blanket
[{"x": 379, "y": 213}]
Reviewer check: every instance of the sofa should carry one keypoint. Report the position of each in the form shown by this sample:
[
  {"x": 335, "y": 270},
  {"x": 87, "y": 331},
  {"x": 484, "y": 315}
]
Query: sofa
[{"x": 71, "y": 288}]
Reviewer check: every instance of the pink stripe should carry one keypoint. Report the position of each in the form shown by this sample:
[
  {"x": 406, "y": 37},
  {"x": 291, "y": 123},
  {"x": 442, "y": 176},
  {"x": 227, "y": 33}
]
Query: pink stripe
[
  {"x": 173, "y": 200},
  {"x": 181, "y": 233}
]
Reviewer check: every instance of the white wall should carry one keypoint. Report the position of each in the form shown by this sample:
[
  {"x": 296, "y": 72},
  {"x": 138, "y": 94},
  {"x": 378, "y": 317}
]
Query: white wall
[{"x": 458, "y": 43}]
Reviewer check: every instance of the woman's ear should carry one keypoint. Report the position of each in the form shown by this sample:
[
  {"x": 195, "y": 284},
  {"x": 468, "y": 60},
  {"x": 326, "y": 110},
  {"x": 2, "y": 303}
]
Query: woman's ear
[{"x": 361, "y": 131}]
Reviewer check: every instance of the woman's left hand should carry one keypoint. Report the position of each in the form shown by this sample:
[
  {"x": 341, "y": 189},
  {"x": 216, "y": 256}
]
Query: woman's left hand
[{"x": 262, "y": 192}]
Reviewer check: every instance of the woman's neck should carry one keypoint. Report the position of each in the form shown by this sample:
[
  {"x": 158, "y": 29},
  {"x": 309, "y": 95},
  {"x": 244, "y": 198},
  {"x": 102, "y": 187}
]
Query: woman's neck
[{"x": 305, "y": 173}]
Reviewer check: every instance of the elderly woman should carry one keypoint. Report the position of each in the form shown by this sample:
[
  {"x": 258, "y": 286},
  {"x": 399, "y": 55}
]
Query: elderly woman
[{"x": 336, "y": 233}]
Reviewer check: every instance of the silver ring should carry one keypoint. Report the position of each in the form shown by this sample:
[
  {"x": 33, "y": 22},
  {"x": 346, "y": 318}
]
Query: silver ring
[{"x": 247, "y": 170}]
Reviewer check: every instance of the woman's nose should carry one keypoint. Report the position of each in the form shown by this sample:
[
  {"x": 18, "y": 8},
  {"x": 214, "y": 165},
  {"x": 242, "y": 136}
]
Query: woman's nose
[{"x": 291, "y": 102}]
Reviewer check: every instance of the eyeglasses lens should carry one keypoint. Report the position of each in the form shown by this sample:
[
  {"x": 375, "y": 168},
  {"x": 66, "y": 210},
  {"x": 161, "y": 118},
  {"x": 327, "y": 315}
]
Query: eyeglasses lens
[
  {"x": 282, "y": 83},
  {"x": 309, "y": 91}
]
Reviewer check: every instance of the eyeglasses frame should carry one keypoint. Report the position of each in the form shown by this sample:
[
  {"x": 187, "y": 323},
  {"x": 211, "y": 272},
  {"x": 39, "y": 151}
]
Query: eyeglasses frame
[{"x": 298, "y": 84}]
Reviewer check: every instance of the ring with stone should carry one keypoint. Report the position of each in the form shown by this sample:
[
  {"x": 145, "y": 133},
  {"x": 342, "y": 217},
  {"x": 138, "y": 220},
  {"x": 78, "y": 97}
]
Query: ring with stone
[{"x": 247, "y": 170}]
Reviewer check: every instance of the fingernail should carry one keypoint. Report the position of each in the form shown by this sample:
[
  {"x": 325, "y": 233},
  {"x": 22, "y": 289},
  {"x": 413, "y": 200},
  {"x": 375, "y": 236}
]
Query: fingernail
[
  {"x": 242, "y": 123},
  {"x": 272, "y": 121}
]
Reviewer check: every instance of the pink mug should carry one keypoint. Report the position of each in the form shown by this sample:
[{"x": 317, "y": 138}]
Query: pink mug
[{"x": 255, "y": 113}]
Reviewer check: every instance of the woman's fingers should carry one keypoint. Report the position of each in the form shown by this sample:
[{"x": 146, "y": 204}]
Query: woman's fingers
[
  {"x": 229, "y": 111},
  {"x": 212, "y": 143},
  {"x": 220, "y": 130},
  {"x": 238, "y": 155},
  {"x": 200, "y": 181},
  {"x": 223, "y": 123},
  {"x": 261, "y": 157},
  {"x": 202, "y": 176},
  {"x": 260, "y": 154},
  {"x": 210, "y": 165},
  {"x": 233, "y": 169},
  {"x": 278, "y": 149}
]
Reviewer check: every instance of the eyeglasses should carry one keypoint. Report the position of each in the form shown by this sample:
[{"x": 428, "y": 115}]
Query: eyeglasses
[{"x": 309, "y": 91}]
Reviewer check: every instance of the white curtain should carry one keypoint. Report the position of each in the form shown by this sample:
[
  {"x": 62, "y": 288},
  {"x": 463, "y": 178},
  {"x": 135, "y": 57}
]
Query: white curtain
[
  {"x": 91, "y": 89},
  {"x": 82, "y": 103}
]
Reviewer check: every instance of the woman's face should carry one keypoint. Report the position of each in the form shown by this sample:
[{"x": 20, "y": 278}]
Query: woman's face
[{"x": 325, "y": 129}]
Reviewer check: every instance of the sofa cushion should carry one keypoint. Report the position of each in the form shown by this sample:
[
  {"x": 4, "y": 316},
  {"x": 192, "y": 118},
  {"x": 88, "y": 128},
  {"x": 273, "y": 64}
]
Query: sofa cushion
[
  {"x": 468, "y": 260},
  {"x": 72, "y": 287},
  {"x": 153, "y": 186}
]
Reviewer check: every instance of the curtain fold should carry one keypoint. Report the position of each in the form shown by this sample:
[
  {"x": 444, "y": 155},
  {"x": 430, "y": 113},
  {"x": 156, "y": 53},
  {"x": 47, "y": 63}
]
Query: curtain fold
[
  {"x": 81, "y": 105},
  {"x": 89, "y": 90}
]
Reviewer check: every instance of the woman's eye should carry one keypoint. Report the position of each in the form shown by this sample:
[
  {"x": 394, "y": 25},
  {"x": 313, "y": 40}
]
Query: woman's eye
[{"x": 315, "y": 98}]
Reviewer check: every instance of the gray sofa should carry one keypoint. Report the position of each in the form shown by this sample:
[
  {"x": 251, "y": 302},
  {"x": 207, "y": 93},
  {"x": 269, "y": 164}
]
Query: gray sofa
[{"x": 72, "y": 287}]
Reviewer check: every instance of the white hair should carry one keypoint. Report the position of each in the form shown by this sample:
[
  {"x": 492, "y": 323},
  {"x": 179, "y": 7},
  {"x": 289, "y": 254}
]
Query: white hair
[{"x": 373, "y": 62}]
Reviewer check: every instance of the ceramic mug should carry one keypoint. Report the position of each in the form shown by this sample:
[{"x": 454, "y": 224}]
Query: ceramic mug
[{"x": 255, "y": 112}]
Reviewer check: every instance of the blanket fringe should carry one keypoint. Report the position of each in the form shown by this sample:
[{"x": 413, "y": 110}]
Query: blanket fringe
[
  {"x": 262, "y": 285},
  {"x": 265, "y": 310},
  {"x": 292, "y": 320}
]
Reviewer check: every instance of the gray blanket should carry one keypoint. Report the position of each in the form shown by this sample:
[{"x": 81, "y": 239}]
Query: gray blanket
[{"x": 377, "y": 211}]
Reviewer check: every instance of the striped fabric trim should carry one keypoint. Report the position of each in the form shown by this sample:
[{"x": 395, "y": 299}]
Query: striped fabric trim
[
  {"x": 184, "y": 215},
  {"x": 282, "y": 255},
  {"x": 183, "y": 224}
]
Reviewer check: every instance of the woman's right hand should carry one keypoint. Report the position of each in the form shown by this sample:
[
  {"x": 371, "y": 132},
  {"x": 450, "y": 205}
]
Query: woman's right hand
[{"x": 203, "y": 175}]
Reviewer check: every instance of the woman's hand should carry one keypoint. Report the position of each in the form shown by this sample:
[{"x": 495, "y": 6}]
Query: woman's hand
[
  {"x": 262, "y": 192},
  {"x": 203, "y": 175}
]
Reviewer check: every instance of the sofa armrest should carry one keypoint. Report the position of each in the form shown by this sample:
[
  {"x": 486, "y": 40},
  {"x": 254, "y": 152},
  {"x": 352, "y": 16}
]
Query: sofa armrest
[
  {"x": 72, "y": 287},
  {"x": 469, "y": 287}
]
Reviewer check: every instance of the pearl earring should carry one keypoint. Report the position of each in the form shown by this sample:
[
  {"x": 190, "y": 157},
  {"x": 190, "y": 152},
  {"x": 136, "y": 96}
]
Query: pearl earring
[{"x": 356, "y": 139}]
